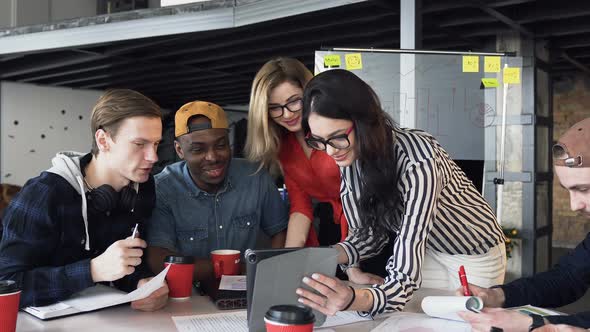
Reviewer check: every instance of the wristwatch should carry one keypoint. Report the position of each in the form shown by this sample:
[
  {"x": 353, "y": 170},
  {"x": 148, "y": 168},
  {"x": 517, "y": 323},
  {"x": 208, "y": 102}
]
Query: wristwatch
[{"x": 538, "y": 321}]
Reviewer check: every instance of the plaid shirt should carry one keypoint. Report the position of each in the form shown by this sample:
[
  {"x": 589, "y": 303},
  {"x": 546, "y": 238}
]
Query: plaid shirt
[{"x": 43, "y": 237}]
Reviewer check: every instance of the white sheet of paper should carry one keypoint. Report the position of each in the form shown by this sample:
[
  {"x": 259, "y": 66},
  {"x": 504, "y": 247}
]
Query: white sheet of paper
[
  {"x": 343, "y": 318},
  {"x": 447, "y": 307},
  {"x": 148, "y": 288},
  {"x": 223, "y": 322},
  {"x": 405, "y": 322},
  {"x": 50, "y": 308},
  {"x": 92, "y": 300},
  {"x": 529, "y": 309},
  {"x": 90, "y": 296},
  {"x": 236, "y": 283},
  {"x": 237, "y": 322}
]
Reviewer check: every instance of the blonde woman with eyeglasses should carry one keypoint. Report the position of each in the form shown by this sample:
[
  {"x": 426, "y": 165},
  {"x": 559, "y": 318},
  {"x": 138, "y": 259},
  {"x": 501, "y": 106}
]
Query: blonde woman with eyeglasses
[{"x": 276, "y": 141}]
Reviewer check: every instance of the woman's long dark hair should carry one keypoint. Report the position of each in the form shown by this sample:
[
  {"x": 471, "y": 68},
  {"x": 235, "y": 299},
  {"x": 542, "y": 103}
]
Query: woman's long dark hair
[{"x": 340, "y": 94}]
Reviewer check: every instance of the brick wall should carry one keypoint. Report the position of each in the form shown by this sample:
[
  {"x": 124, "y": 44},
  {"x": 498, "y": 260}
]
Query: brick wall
[{"x": 571, "y": 103}]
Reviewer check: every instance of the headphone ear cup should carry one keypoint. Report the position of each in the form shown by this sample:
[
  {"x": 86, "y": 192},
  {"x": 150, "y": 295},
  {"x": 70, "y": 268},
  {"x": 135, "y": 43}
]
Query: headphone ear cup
[
  {"x": 127, "y": 199},
  {"x": 103, "y": 198}
]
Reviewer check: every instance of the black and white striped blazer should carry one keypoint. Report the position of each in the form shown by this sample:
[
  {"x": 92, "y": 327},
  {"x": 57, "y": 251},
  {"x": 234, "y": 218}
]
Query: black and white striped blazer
[{"x": 439, "y": 209}]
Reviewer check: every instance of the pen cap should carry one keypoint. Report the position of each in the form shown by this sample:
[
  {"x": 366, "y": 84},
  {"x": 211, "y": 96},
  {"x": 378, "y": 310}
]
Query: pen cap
[{"x": 172, "y": 259}]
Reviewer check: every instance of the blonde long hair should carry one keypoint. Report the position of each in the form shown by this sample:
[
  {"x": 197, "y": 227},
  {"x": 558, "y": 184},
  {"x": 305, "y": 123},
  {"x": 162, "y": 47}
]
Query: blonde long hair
[{"x": 264, "y": 135}]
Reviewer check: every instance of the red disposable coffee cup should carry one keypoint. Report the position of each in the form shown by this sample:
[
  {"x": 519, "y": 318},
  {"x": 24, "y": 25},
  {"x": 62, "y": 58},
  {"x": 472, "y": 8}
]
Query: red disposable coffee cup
[
  {"x": 226, "y": 262},
  {"x": 289, "y": 318},
  {"x": 9, "y": 299},
  {"x": 180, "y": 276}
]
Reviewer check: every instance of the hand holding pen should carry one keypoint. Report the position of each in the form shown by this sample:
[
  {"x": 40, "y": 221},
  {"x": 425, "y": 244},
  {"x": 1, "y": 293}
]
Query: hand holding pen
[
  {"x": 491, "y": 297},
  {"x": 464, "y": 283},
  {"x": 119, "y": 260}
]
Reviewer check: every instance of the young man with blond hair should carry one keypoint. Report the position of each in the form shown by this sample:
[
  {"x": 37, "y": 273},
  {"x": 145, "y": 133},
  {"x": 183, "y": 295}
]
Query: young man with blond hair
[{"x": 70, "y": 227}]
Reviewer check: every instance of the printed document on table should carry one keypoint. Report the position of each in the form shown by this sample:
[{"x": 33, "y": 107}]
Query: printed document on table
[
  {"x": 407, "y": 322},
  {"x": 237, "y": 283},
  {"x": 343, "y": 318},
  {"x": 237, "y": 321},
  {"x": 223, "y": 322}
]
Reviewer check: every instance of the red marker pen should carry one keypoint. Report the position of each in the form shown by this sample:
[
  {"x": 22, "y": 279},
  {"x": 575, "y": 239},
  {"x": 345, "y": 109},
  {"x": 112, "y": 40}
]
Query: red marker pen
[{"x": 463, "y": 279}]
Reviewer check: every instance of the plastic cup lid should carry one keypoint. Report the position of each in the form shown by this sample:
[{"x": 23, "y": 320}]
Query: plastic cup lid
[
  {"x": 179, "y": 259},
  {"x": 290, "y": 314},
  {"x": 8, "y": 286}
]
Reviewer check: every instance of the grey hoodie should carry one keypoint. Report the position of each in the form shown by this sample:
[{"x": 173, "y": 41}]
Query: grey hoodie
[{"x": 67, "y": 165}]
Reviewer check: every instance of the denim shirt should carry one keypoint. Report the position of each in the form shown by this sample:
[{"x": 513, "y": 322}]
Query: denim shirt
[{"x": 192, "y": 222}]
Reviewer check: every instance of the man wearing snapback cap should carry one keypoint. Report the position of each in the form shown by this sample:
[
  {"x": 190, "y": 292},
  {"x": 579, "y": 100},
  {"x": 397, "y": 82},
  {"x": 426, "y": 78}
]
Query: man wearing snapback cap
[
  {"x": 208, "y": 201},
  {"x": 567, "y": 281}
]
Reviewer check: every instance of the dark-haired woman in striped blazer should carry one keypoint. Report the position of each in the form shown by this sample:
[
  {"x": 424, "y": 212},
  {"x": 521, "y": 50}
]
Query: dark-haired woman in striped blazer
[{"x": 399, "y": 185}]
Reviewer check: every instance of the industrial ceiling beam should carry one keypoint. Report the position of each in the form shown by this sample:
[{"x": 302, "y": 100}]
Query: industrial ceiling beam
[
  {"x": 576, "y": 63},
  {"x": 547, "y": 30},
  {"x": 73, "y": 59},
  {"x": 503, "y": 18},
  {"x": 332, "y": 24}
]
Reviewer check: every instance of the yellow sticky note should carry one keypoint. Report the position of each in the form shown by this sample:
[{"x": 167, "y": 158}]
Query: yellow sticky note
[
  {"x": 332, "y": 60},
  {"x": 491, "y": 64},
  {"x": 490, "y": 82},
  {"x": 470, "y": 64},
  {"x": 511, "y": 75},
  {"x": 354, "y": 61}
]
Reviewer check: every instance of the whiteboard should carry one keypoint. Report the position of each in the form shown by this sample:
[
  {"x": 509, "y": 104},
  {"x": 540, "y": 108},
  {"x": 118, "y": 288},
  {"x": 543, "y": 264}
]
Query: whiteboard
[{"x": 450, "y": 104}]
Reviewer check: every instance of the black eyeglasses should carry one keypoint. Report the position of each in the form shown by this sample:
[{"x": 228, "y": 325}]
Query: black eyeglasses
[
  {"x": 337, "y": 142},
  {"x": 294, "y": 106}
]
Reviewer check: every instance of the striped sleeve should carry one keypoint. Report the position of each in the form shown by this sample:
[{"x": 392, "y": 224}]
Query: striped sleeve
[
  {"x": 361, "y": 244},
  {"x": 362, "y": 241},
  {"x": 420, "y": 189}
]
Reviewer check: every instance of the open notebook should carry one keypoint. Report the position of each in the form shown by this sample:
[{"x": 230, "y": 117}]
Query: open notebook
[{"x": 95, "y": 298}]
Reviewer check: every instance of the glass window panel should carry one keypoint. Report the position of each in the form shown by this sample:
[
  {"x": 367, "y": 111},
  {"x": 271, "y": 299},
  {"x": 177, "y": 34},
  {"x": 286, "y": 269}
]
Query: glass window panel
[
  {"x": 542, "y": 255},
  {"x": 512, "y": 205},
  {"x": 542, "y": 93},
  {"x": 513, "y": 158},
  {"x": 542, "y": 204},
  {"x": 542, "y": 147}
]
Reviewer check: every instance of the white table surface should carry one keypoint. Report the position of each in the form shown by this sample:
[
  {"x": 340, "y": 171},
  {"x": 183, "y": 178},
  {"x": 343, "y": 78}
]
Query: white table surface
[{"x": 123, "y": 318}]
